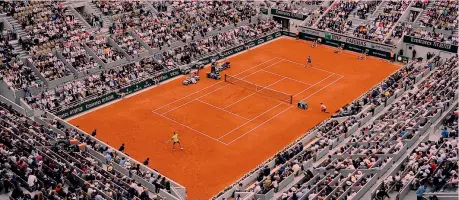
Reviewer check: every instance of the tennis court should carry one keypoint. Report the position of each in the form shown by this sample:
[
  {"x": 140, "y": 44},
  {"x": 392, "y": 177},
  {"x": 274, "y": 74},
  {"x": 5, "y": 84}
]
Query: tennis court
[{"x": 230, "y": 127}]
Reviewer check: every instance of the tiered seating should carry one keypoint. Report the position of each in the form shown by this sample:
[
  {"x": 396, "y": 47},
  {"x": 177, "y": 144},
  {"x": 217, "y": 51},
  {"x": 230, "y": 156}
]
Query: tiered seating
[
  {"x": 336, "y": 18},
  {"x": 93, "y": 85},
  {"x": 49, "y": 65},
  {"x": 48, "y": 25},
  {"x": 296, "y": 6},
  {"x": 159, "y": 30},
  {"x": 104, "y": 50},
  {"x": 219, "y": 42},
  {"x": 41, "y": 163},
  {"x": 77, "y": 56},
  {"x": 125, "y": 185},
  {"x": 366, "y": 7},
  {"x": 128, "y": 43},
  {"x": 222, "y": 14},
  {"x": 384, "y": 91},
  {"x": 428, "y": 35},
  {"x": 375, "y": 147},
  {"x": 441, "y": 15},
  {"x": 383, "y": 23},
  {"x": 12, "y": 69}
]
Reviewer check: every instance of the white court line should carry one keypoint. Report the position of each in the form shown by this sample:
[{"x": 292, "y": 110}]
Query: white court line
[
  {"x": 273, "y": 83},
  {"x": 313, "y": 85},
  {"x": 250, "y": 120},
  {"x": 211, "y": 85},
  {"x": 197, "y": 98},
  {"x": 222, "y": 109},
  {"x": 239, "y": 100},
  {"x": 188, "y": 127},
  {"x": 285, "y": 77},
  {"x": 303, "y": 64},
  {"x": 259, "y": 125},
  {"x": 283, "y": 111},
  {"x": 323, "y": 88}
]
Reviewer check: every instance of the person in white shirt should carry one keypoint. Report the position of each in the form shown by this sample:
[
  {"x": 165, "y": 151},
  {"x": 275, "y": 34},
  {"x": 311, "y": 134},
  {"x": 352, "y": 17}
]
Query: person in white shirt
[
  {"x": 32, "y": 180},
  {"x": 257, "y": 189}
]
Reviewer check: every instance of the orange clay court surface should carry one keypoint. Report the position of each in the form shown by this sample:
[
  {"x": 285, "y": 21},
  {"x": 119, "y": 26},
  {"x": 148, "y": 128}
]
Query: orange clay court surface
[{"x": 227, "y": 130}]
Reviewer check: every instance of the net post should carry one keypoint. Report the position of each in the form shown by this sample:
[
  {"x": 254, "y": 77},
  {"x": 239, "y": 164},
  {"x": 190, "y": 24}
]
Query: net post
[
  {"x": 291, "y": 99},
  {"x": 225, "y": 77}
]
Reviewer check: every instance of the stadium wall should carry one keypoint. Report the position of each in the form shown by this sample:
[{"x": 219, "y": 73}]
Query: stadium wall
[{"x": 423, "y": 47}]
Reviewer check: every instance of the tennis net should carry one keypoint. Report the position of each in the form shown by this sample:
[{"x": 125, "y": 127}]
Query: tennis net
[{"x": 288, "y": 98}]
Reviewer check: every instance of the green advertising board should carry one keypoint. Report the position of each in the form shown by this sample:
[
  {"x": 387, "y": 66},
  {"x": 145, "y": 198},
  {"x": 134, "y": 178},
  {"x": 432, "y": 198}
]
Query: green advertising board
[
  {"x": 92, "y": 103},
  {"x": 430, "y": 44},
  {"x": 288, "y": 14},
  {"x": 136, "y": 87},
  {"x": 350, "y": 44},
  {"x": 87, "y": 105}
]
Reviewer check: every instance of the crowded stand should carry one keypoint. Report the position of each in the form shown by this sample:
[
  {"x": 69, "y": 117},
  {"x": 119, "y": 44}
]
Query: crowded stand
[
  {"x": 296, "y": 6},
  {"x": 224, "y": 13},
  {"x": 47, "y": 24},
  {"x": 366, "y": 7},
  {"x": 336, "y": 18},
  {"x": 387, "y": 135},
  {"x": 106, "y": 52},
  {"x": 428, "y": 35},
  {"x": 128, "y": 43},
  {"x": 49, "y": 164},
  {"x": 117, "y": 7},
  {"x": 93, "y": 85},
  {"x": 223, "y": 40},
  {"x": 12, "y": 69},
  {"x": 383, "y": 23},
  {"x": 92, "y": 19},
  {"x": 160, "y": 30},
  {"x": 77, "y": 56},
  {"x": 441, "y": 15},
  {"x": 190, "y": 13},
  {"x": 378, "y": 95},
  {"x": 49, "y": 65}
]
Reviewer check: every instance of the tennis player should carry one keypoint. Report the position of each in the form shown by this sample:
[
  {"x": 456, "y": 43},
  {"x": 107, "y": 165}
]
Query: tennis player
[
  {"x": 323, "y": 108},
  {"x": 309, "y": 62},
  {"x": 175, "y": 140}
]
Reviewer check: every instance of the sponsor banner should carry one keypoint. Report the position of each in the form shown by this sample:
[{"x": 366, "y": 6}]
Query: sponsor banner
[
  {"x": 136, "y": 87},
  {"x": 333, "y": 39},
  {"x": 350, "y": 43},
  {"x": 287, "y": 14},
  {"x": 85, "y": 106},
  {"x": 168, "y": 75},
  {"x": 430, "y": 44},
  {"x": 232, "y": 51}
]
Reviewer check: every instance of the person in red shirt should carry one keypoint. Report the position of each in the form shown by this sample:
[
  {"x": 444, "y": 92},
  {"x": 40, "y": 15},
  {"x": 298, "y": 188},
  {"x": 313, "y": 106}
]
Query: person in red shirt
[{"x": 433, "y": 165}]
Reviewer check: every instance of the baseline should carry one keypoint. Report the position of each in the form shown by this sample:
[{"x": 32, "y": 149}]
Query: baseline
[{"x": 186, "y": 126}]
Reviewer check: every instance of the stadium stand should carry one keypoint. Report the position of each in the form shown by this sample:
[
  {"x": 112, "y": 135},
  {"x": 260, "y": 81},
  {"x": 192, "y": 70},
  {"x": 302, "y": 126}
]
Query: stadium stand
[
  {"x": 383, "y": 141},
  {"x": 395, "y": 138}
]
